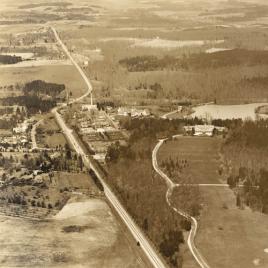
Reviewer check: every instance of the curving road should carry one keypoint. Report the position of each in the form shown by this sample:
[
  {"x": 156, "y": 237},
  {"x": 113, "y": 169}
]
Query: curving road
[
  {"x": 194, "y": 224},
  {"x": 137, "y": 233}
]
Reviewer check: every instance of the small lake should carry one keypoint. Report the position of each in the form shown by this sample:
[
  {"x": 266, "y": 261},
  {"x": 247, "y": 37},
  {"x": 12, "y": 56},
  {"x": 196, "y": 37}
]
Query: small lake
[{"x": 214, "y": 111}]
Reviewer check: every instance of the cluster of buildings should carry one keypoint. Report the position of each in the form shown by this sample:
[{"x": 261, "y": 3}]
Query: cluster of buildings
[
  {"x": 24, "y": 175},
  {"x": 17, "y": 139},
  {"x": 133, "y": 112},
  {"x": 98, "y": 130}
]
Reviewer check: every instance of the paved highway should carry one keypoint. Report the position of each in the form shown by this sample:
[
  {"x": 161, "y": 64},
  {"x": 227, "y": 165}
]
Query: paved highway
[
  {"x": 65, "y": 49},
  {"x": 194, "y": 224},
  {"x": 148, "y": 249}
]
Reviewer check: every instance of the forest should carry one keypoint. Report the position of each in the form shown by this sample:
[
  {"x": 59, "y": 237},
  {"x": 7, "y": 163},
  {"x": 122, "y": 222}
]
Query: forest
[
  {"x": 197, "y": 61},
  {"x": 7, "y": 59},
  {"x": 250, "y": 134},
  {"x": 131, "y": 176},
  {"x": 247, "y": 148},
  {"x": 33, "y": 103},
  {"x": 38, "y": 87}
]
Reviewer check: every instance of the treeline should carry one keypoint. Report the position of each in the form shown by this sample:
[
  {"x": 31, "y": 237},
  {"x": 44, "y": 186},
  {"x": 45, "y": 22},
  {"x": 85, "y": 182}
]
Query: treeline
[
  {"x": 38, "y": 87},
  {"x": 155, "y": 127},
  {"x": 142, "y": 192},
  {"x": 261, "y": 81},
  {"x": 249, "y": 134},
  {"x": 227, "y": 58},
  {"x": 246, "y": 147},
  {"x": 150, "y": 63},
  {"x": 8, "y": 59},
  {"x": 255, "y": 191},
  {"x": 33, "y": 103}
]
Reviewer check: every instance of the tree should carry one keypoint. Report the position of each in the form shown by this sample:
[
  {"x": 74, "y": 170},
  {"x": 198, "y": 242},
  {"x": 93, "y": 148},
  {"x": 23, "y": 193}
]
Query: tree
[
  {"x": 145, "y": 224},
  {"x": 4, "y": 176},
  {"x": 68, "y": 151},
  {"x": 238, "y": 200},
  {"x": 80, "y": 162}
]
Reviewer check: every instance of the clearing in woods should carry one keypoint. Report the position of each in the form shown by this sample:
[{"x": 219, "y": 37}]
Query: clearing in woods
[{"x": 227, "y": 236}]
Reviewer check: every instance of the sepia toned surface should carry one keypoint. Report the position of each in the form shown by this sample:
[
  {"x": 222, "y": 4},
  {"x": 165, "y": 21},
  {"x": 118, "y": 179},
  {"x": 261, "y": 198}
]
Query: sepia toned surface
[{"x": 134, "y": 133}]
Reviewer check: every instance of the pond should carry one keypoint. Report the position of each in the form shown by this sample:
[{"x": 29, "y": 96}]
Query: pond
[{"x": 214, "y": 111}]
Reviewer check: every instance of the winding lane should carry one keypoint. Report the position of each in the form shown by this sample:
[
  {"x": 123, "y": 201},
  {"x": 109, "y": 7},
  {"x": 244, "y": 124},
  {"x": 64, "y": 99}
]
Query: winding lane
[{"x": 194, "y": 224}]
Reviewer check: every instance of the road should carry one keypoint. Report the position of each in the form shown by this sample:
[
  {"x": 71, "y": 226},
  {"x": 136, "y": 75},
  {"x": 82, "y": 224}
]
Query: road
[
  {"x": 165, "y": 116},
  {"x": 33, "y": 134},
  {"x": 65, "y": 49},
  {"x": 194, "y": 224},
  {"x": 155, "y": 259}
]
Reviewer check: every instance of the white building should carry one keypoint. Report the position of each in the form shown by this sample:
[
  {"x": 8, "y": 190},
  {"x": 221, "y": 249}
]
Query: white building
[
  {"x": 89, "y": 107},
  {"x": 203, "y": 130},
  {"x": 21, "y": 128},
  {"x": 124, "y": 111}
]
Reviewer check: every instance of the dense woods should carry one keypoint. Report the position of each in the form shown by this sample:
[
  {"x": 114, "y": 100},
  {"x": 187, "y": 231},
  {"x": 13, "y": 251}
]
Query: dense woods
[
  {"x": 227, "y": 58},
  {"x": 250, "y": 134},
  {"x": 132, "y": 177},
  {"x": 155, "y": 127},
  {"x": 38, "y": 96},
  {"x": 38, "y": 87},
  {"x": 33, "y": 103},
  {"x": 7, "y": 59},
  {"x": 247, "y": 148}
]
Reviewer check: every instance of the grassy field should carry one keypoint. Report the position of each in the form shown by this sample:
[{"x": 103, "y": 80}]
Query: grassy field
[
  {"x": 64, "y": 74},
  {"x": 50, "y": 134},
  {"x": 227, "y": 236},
  {"x": 201, "y": 154},
  {"x": 83, "y": 234}
]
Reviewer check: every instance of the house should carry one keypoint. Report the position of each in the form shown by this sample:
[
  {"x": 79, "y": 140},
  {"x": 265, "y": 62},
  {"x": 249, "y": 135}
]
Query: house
[
  {"x": 123, "y": 111},
  {"x": 21, "y": 128},
  {"x": 100, "y": 157},
  {"x": 89, "y": 107},
  {"x": 203, "y": 130}
]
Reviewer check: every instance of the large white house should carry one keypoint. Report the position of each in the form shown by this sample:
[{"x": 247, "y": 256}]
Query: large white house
[{"x": 203, "y": 130}]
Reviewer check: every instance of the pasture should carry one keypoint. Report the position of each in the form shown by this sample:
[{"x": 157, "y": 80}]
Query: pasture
[
  {"x": 227, "y": 236},
  {"x": 61, "y": 74},
  {"x": 201, "y": 154}
]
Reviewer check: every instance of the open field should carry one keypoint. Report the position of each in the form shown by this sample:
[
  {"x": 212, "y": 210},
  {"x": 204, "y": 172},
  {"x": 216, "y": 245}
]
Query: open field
[
  {"x": 229, "y": 236},
  {"x": 57, "y": 189},
  {"x": 49, "y": 134},
  {"x": 201, "y": 154},
  {"x": 65, "y": 74},
  {"x": 83, "y": 234}
]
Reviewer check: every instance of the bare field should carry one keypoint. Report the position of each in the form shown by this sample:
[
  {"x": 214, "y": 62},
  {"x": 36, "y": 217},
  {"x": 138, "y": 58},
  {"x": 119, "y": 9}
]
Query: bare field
[{"x": 83, "y": 234}]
